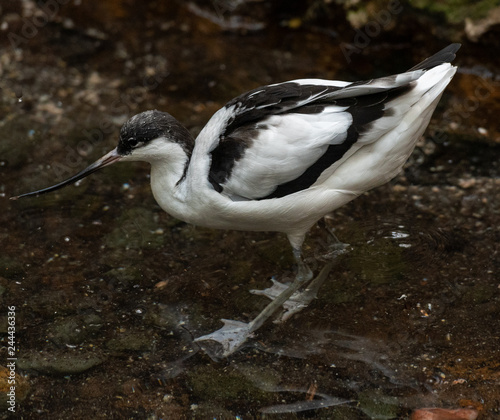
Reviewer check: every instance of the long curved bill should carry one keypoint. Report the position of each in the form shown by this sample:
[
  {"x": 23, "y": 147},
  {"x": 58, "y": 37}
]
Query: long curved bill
[{"x": 106, "y": 160}]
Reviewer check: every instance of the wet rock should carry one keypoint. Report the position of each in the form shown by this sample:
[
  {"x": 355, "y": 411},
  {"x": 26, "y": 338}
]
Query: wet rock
[
  {"x": 457, "y": 11},
  {"x": 14, "y": 130},
  {"x": 53, "y": 302},
  {"x": 124, "y": 276},
  {"x": 211, "y": 384},
  {"x": 240, "y": 270},
  {"x": 74, "y": 329},
  {"x": 478, "y": 293},
  {"x": 210, "y": 410},
  {"x": 131, "y": 387},
  {"x": 162, "y": 316},
  {"x": 377, "y": 405},
  {"x": 475, "y": 29},
  {"x": 136, "y": 228},
  {"x": 444, "y": 414},
  {"x": 221, "y": 16},
  {"x": 131, "y": 341},
  {"x": 59, "y": 363},
  {"x": 10, "y": 268}
]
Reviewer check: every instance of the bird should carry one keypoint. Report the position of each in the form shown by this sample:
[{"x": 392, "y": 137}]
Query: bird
[{"x": 280, "y": 158}]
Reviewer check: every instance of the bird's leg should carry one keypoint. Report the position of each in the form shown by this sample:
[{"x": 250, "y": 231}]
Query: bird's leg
[
  {"x": 301, "y": 299},
  {"x": 304, "y": 275},
  {"x": 334, "y": 244},
  {"x": 234, "y": 333}
]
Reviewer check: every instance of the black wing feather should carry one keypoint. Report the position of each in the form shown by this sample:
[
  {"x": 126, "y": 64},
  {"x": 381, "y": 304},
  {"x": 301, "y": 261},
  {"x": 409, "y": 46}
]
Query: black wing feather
[{"x": 259, "y": 103}]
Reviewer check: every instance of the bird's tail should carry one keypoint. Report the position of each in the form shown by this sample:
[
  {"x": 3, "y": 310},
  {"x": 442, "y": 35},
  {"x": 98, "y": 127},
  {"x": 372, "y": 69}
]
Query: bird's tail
[{"x": 446, "y": 55}]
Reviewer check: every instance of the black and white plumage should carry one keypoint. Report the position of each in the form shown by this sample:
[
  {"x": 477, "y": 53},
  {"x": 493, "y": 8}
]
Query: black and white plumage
[{"x": 282, "y": 156}]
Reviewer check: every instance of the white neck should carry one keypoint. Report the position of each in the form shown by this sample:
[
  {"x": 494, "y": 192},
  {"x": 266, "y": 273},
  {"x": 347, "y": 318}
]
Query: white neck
[{"x": 168, "y": 180}]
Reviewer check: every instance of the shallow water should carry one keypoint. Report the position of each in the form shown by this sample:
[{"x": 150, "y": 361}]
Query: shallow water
[{"x": 110, "y": 291}]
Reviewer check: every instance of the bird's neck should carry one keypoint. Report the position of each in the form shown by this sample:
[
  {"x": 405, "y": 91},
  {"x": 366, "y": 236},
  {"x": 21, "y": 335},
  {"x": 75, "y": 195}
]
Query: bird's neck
[{"x": 168, "y": 174}]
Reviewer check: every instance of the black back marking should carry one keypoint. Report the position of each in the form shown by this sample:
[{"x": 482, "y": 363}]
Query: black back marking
[{"x": 224, "y": 157}]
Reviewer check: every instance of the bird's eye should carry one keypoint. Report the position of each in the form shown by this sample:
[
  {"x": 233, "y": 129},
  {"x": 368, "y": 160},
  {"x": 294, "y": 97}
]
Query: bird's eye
[{"x": 132, "y": 141}]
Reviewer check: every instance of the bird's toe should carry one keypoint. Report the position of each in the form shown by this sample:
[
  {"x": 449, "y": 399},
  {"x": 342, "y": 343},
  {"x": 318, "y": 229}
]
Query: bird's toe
[{"x": 226, "y": 340}]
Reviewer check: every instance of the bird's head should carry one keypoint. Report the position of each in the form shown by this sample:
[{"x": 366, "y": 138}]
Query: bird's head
[
  {"x": 152, "y": 135},
  {"x": 149, "y": 136}
]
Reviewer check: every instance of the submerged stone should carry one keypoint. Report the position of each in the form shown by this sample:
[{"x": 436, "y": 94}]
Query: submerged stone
[{"x": 59, "y": 363}]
